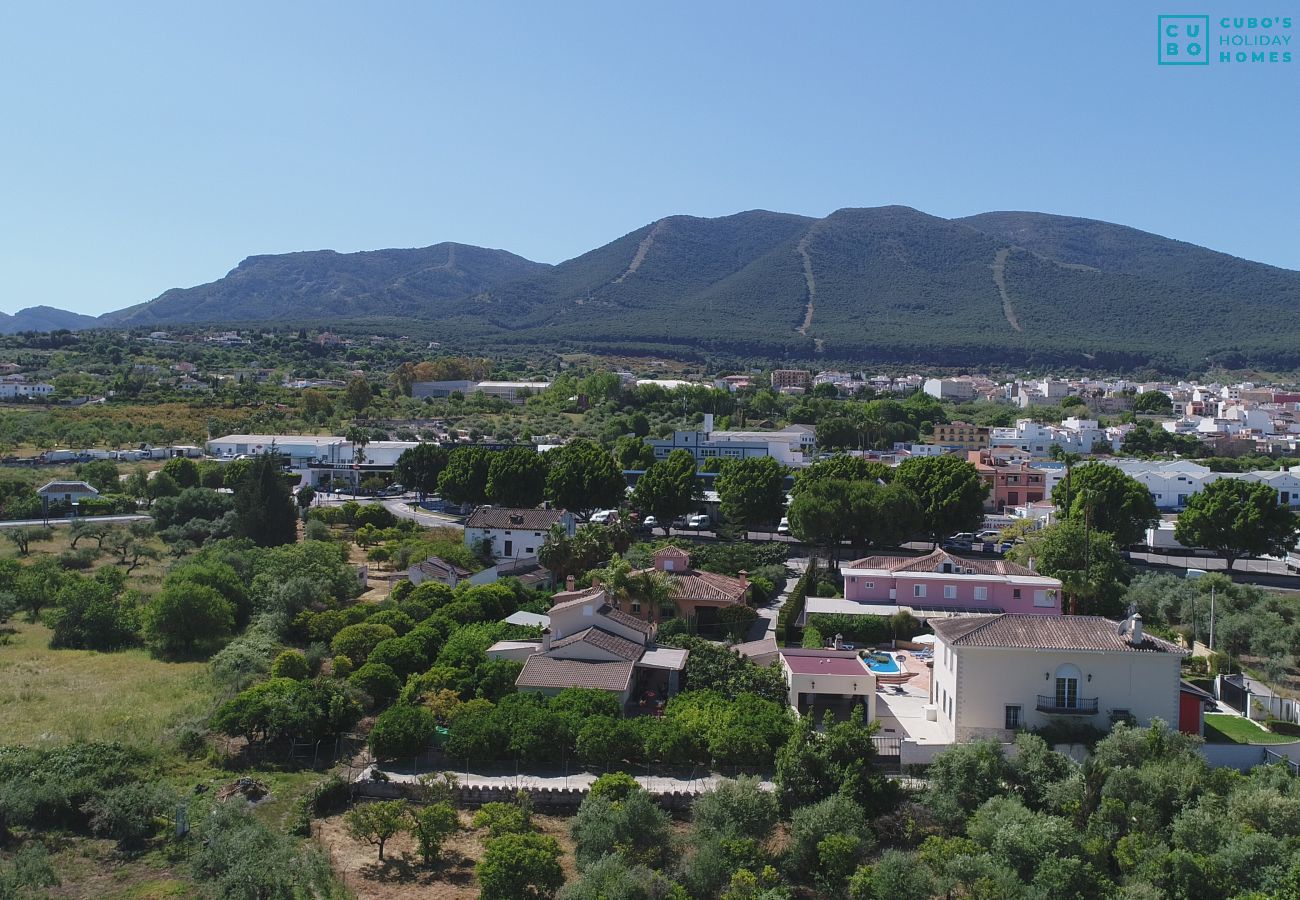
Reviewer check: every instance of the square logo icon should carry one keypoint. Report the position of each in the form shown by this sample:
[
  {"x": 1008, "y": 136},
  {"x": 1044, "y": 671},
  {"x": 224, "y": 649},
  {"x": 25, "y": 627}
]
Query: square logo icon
[{"x": 1183, "y": 40}]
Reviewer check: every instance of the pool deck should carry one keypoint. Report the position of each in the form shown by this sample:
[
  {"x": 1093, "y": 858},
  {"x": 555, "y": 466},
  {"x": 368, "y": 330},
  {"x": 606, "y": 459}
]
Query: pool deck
[{"x": 903, "y": 714}]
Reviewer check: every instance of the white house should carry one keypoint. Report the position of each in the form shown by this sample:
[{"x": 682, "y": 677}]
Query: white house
[
  {"x": 949, "y": 388},
  {"x": 818, "y": 679},
  {"x": 66, "y": 492},
  {"x": 513, "y": 533},
  {"x": 792, "y": 446},
  {"x": 590, "y": 643},
  {"x": 994, "y": 675}
]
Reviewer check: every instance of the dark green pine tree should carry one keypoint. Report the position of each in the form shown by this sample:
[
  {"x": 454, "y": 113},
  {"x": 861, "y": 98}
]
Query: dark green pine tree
[{"x": 264, "y": 504}]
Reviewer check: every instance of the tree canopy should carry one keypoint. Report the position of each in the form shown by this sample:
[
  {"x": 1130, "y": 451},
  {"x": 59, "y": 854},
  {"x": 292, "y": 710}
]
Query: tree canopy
[{"x": 1237, "y": 518}]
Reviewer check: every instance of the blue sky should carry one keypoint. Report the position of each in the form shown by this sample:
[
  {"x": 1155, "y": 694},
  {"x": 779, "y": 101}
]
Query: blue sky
[{"x": 153, "y": 145}]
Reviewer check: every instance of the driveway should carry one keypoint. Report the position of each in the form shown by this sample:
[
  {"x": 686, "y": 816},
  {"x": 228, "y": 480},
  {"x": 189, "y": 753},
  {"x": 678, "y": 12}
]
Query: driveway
[{"x": 765, "y": 625}]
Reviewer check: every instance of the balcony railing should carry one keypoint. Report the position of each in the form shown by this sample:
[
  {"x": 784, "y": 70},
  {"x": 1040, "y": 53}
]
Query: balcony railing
[{"x": 1082, "y": 706}]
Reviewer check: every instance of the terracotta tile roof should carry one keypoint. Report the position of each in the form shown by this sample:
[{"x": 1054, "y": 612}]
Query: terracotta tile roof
[
  {"x": 523, "y": 519},
  {"x": 546, "y": 672},
  {"x": 1023, "y": 632},
  {"x": 566, "y": 599},
  {"x": 440, "y": 568},
  {"x": 66, "y": 487},
  {"x": 692, "y": 584},
  {"x": 622, "y": 618},
  {"x": 569, "y": 599},
  {"x": 933, "y": 560},
  {"x": 602, "y": 640}
]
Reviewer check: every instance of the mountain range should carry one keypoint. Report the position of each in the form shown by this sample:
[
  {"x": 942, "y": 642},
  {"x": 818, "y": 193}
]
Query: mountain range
[{"x": 884, "y": 284}]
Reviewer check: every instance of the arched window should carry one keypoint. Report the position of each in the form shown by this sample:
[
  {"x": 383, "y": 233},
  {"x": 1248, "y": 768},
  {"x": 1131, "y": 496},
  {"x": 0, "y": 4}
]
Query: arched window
[{"x": 1067, "y": 686}]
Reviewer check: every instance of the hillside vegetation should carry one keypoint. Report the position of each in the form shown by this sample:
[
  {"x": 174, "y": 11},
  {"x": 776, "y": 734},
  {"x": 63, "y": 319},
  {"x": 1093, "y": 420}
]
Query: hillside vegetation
[{"x": 887, "y": 284}]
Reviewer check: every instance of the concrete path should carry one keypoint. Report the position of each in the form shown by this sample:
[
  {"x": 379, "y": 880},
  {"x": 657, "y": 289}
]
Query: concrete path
[
  {"x": 40, "y": 523},
  {"x": 765, "y": 625},
  {"x": 655, "y": 784}
]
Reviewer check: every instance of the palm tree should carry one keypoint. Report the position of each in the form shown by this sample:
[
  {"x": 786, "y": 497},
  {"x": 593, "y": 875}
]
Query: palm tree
[
  {"x": 1060, "y": 454},
  {"x": 359, "y": 438},
  {"x": 653, "y": 590}
]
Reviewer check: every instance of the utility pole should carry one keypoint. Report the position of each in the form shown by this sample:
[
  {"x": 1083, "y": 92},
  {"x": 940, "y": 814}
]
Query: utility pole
[{"x": 1212, "y": 597}]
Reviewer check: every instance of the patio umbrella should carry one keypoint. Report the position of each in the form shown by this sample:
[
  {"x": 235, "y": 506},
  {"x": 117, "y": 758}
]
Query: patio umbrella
[{"x": 923, "y": 639}]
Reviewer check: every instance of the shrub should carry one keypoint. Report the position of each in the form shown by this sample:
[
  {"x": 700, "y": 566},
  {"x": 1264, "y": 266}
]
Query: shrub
[
  {"x": 635, "y": 827},
  {"x": 130, "y": 813},
  {"x": 520, "y": 867},
  {"x": 812, "y": 638},
  {"x": 356, "y": 641},
  {"x": 505, "y": 818},
  {"x": 290, "y": 664},
  {"x": 341, "y": 666},
  {"x": 395, "y": 619},
  {"x": 401, "y": 731},
  {"x": 614, "y": 786},
  {"x": 378, "y": 682},
  {"x": 185, "y": 615},
  {"x": 431, "y": 825},
  {"x": 739, "y": 808},
  {"x": 404, "y": 655},
  {"x": 811, "y": 825},
  {"x": 609, "y": 742}
]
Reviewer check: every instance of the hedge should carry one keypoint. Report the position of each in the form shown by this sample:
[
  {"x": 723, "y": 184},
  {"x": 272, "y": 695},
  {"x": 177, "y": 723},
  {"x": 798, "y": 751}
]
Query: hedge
[
  {"x": 866, "y": 629},
  {"x": 794, "y": 604},
  {"x": 812, "y": 639}
]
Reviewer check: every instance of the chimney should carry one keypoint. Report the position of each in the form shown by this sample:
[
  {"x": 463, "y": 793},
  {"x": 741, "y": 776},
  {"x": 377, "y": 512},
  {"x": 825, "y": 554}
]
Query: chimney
[
  {"x": 708, "y": 423},
  {"x": 1033, "y": 564},
  {"x": 744, "y": 578},
  {"x": 839, "y": 642},
  {"x": 1135, "y": 635},
  {"x": 546, "y": 639},
  {"x": 568, "y": 583}
]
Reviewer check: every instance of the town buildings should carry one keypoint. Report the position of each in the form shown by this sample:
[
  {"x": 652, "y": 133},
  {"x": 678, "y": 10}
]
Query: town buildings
[{"x": 792, "y": 446}]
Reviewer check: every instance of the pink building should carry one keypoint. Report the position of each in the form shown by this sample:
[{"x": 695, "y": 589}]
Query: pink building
[{"x": 942, "y": 582}]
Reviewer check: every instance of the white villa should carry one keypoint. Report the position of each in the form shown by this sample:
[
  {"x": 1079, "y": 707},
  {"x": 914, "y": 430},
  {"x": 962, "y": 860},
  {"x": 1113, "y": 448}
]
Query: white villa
[{"x": 994, "y": 675}]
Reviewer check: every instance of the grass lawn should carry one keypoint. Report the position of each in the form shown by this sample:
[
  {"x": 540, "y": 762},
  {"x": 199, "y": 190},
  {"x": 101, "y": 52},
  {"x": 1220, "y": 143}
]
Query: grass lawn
[
  {"x": 59, "y": 695},
  {"x": 1226, "y": 729}
]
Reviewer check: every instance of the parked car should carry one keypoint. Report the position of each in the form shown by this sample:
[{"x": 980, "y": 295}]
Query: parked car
[
  {"x": 649, "y": 523},
  {"x": 697, "y": 521},
  {"x": 603, "y": 517},
  {"x": 963, "y": 541},
  {"x": 784, "y": 526}
]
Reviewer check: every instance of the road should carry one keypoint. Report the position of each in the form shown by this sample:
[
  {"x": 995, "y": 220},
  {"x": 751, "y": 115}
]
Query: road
[{"x": 40, "y": 523}]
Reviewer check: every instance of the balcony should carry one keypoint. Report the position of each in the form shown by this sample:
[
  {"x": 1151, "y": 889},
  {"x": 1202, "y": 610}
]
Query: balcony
[{"x": 1082, "y": 706}]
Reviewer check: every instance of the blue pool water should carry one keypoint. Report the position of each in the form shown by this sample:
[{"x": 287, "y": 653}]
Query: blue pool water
[{"x": 884, "y": 663}]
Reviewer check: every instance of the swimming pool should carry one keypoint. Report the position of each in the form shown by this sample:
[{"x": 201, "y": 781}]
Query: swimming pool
[{"x": 882, "y": 663}]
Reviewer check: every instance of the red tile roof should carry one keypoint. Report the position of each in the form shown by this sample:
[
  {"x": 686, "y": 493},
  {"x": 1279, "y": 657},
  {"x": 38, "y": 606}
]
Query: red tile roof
[
  {"x": 523, "y": 519},
  {"x": 602, "y": 640},
  {"x": 546, "y": 672},
  {"x": 692, "y": 584},
  {"x": 932, "y": 561},
  {"x": 1023, "y": 632}
]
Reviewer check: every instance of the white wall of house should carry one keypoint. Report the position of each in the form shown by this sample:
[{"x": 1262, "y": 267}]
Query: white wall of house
[
  {"x": 832, "y": 687},
  {"x": 507, "y": 543},
  {"x": 981, "y": 682}
]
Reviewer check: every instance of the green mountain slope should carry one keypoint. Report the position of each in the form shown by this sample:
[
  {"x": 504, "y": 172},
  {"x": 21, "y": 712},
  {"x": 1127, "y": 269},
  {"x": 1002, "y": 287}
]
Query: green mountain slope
[
  {"x": 296, "y": 286},
  {"x": 886, "y": 284},
  {"x": 44, "y": 318}
]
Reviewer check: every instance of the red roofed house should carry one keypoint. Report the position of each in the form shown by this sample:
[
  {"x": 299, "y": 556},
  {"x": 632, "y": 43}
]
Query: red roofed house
[
  {"x": 995, "y": 675},
  {"x": 821, "y": 679},
  {"x": 695, "y": 595},
  {"x": 591, "y": 644},
  {"x": 940, "y": 581}
]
